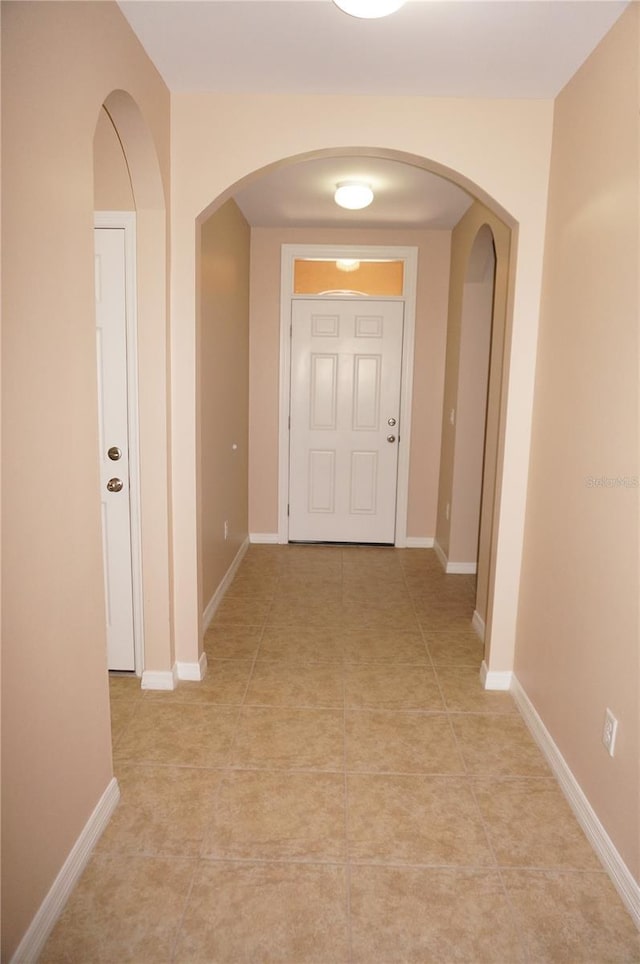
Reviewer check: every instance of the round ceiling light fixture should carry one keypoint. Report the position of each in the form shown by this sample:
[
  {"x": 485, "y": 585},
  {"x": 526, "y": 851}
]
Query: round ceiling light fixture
[
  {"x": 369, "y": 9},
  {"x": 353, "y": 195},
  {"x": 347, "y": 264}
]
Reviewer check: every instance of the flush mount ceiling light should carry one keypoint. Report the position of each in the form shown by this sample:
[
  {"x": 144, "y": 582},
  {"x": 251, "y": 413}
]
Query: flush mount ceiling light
[
  {"x": 369, "y": 9},
  {"x": 353, "y": 195}
]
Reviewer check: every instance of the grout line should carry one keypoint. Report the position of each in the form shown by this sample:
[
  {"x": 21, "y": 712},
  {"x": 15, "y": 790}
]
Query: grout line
[{"x": 174, "y": 945}]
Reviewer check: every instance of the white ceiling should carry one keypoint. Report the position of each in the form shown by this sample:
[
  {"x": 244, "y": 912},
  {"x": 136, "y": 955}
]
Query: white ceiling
[{"x": 440, "y": 48}]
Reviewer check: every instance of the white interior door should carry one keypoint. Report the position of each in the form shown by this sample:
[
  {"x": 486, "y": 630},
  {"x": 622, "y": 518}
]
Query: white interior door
[
  {"x": 346, "y": 361},
  {"x": 111, "y": 336}
]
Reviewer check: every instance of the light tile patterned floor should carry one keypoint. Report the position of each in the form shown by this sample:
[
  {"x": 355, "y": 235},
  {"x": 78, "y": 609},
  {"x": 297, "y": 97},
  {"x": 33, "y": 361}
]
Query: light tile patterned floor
[{"x": 338, "y": 789}]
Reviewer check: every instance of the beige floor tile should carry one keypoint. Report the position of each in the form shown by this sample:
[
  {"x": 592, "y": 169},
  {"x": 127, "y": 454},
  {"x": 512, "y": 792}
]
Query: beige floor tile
[
  {"x": 124, "y": 687},
  {"x": 305, "y": 613},
  {"x": 305, "y": 585},
  {"x": 437, "y": 624},
  {"x": 179, "y": 734},
  {"x": 401, "y": 742},
  {"x": 163, "y": 811},
  {"x": 498, "y": 746},
  {"x": 415, "y": 820},
  {"x": 250, "y": 913},
  {"x": 225, "y": 683},
  {"x": 123, "y": 909},
  {"x": 385, "y": 644},
  {"x": 242, "y": 611},
  {"x": 377, "y": 596},
  {"x": 361, "y": 616},
  {"x": 230, "y": 642},
  {"x": 415, "y": 916},
  {"x": 302, "y": 644},
  {"x": 571, "y": 918},
  {"x": 462, "y": 647},
  {"x": 122, "y": 713},
  {"x": 391, "y": 686},
  {"x": 463, "y": 692},
  {"x": 268, "y": 815},
  {"x": 530, "y": 824},
  {"x": 296, "y": 684},
  {"x": 289, "y": 739}
]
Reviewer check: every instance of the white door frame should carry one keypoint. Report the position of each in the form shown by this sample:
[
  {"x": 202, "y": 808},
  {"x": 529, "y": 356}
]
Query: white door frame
[
  {"x": 126, "y": 220},
  {"x": 409, "y": 255}
]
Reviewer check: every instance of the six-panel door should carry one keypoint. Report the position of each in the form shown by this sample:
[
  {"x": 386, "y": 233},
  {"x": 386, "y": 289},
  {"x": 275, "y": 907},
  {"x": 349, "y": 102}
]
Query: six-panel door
[{"x": 346, "y": 359}]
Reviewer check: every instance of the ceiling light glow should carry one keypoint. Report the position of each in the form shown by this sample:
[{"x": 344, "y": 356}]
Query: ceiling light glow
[
  {"x": 353, "y": 195},
  {"x": 369, "y": 9},
  {"x": 347, "y": 264}
]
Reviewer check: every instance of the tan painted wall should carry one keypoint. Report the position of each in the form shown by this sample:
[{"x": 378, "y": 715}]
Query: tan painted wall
[
  {"x": 431, "y": 305},
  {"x": 577, "y": 644},
  {"x": 111, "y": 182},
  {"x": 501, "y": 150},
  {"x": 470, "y": 418},
  {"x": 59, "y": 62},
  {"x": 223, "y": 361},
  {"x": 463, "y": 239}
]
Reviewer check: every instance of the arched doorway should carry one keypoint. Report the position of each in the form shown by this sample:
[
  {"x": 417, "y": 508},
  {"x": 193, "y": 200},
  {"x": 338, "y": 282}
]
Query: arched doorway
[
  {"x": 127, "y": 179},
  {"x": 269, "y": 352}
]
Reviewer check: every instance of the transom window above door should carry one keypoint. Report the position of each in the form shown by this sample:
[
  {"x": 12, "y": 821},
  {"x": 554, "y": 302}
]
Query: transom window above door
[{"x": 327, "y": 276}]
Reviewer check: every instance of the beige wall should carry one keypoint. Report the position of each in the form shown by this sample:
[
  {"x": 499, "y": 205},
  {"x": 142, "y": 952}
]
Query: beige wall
[
  {"x": 577, "y": 644},
  {"x": 223, "y": 361},
  {"x": 470, "y": 416},
  {"x": 464, "y": 237},
  {"x": 499, "y": 149},
  {"x": 431, "y": 307},
  {"x": 111, "y": 183},
  {"x": 59, "y": 62}
]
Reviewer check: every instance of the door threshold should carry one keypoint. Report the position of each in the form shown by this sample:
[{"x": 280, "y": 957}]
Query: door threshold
[{"x": 355, "y": 545}]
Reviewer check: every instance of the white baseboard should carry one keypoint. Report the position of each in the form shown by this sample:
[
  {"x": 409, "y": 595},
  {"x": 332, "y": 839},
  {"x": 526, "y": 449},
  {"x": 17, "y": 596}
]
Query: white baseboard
[
  {"x": 454, "y": 568},
  {"x": 217, "y": 597},
  {"x": 622, "y": 878},
  {"x": 193, "y": 671},
  {"x": 419, "y": 542},
  {"x": 32, "y": 943},
  {"x": 441, "y": 554},
  {"x": 478, "y": 624},
  {"x": 159, "y": 679},
  {"x": 264, "y": 538},
  {"x": 461, "y": 568},
  {"x": 493, "y": 679}
]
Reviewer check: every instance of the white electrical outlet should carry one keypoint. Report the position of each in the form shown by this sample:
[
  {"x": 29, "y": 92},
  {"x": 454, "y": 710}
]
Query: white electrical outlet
[
  {"x": 226, "y": 529},
  {"x": 609, "y": 731}
]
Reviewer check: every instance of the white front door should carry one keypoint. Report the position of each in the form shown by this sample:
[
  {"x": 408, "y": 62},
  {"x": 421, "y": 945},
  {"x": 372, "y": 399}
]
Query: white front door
[
  {"x": 111, "y": 333},
  {"x": 346, "y": 360}
]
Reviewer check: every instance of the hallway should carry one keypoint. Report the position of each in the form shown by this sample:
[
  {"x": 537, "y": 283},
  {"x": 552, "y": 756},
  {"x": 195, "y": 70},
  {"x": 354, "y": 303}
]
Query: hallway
[{"x": 338, "y": 789}]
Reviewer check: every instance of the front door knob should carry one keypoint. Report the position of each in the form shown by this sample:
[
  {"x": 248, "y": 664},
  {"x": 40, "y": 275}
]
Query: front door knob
[
  {"x": 391, "y": 438},
  {"x": 114, "y": 453},
  {"x": 114, "y": 485}
]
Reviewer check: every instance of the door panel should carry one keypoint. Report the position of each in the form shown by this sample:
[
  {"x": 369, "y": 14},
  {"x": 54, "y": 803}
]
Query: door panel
[
  {"x": 111, "y": 346},
  {"x": 345, "y": 384}
]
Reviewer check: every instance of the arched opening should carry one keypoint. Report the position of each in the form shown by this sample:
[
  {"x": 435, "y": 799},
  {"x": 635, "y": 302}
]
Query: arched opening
[
  {"x": 265, "y": 347},
  {"x": 464, "y": 416},
  {"x": 127, "y": 183}
]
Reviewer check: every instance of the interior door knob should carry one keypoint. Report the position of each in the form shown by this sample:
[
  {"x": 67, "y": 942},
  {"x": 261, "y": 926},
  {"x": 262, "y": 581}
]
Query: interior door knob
[
  {"x": 114, "y": 485},
  {"x": 391, "y": 438},
  {"x": 114, "y": 453}
]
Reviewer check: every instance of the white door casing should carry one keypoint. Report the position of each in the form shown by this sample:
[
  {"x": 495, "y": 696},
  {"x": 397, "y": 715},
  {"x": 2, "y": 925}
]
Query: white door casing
[
  {"x": 345, "y": 419},
  {"x": 409, "y": 255},
  {"x": 114, "y": 238}
]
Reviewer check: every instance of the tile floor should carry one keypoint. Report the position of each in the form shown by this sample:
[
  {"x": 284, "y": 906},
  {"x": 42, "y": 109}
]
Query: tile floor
[{"x": 338, "y": 789}]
